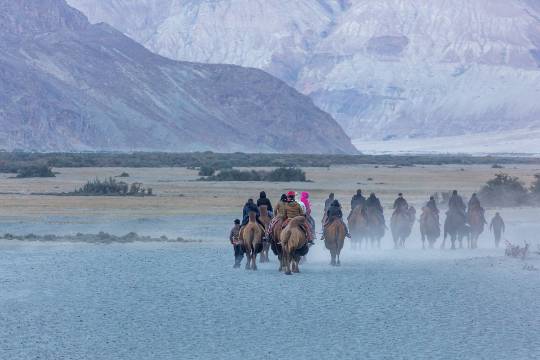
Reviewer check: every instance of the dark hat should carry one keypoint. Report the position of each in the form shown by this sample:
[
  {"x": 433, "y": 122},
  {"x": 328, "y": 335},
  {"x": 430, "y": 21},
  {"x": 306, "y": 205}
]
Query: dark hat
[{"x": 236, "y": 221}]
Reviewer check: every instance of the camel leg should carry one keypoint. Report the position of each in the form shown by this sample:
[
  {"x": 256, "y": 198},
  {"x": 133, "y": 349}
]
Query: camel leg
[
  {"x": 248, "y": 259},
  {"x": 295, "y": 265},
  {"x": 332, "y": 258},
  {"x": 338, "y": 263},
  {"x": 453, "y": 239},
  {"x": 254, "y": 261},
  {"x": 287, "y": 263}
]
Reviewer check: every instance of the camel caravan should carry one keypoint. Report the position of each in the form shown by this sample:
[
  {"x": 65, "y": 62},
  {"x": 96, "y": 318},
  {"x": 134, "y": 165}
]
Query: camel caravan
[{"x": 288, "y": 230}]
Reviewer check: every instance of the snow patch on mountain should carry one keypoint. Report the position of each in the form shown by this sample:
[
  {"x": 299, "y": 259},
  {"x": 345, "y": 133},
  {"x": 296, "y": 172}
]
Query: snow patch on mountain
[
  {"x": 383, "y": 68},
  {"x": 518, "y": 142}
]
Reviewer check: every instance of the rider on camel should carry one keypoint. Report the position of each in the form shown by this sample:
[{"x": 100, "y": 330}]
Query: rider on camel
[
  {"x": 294, "y": 209},
  {"x": 280, "y": 208},
  {"x": 328, "y": 202},
  {"x": 432, "y": 205},
  {"x": 456, "y": 203},
  {"x": 279, "y": 215},
  {"x": 357, "y": 200},
  {"x": 474, "y": 204},
  {"x": 250, "y": 206},
  {"x": 373, "y": 202},
  {"x": 304, "y": 199},
  {"x": 334, "y": 212},
  {"x": 400, "y": 203},
  {"x": 263, "y": 200}
]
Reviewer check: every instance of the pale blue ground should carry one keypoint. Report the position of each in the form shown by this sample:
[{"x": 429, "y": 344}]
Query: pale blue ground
[
  {"x": 174, "y": 301},
  {"x": 194, "y": 227}
]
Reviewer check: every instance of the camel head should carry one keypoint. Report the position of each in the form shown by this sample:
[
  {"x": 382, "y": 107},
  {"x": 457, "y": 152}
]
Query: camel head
[{"x": 252, "y": 216}]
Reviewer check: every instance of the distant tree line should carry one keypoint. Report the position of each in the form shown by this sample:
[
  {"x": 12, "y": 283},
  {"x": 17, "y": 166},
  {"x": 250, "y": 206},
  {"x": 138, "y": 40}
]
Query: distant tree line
[{"x": 11, "y": 162}]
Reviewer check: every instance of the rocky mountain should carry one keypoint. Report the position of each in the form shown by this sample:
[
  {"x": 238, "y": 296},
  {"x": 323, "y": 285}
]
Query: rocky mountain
[
  {"x": 70, "y": 85},
  {"x": 383, "y": 68}
]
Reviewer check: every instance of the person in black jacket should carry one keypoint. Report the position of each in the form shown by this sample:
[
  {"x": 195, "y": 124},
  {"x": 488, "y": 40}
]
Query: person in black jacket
[
  {"x": 249, "y": 207},
  {"x": 263, "y": 200},
  {"x": 335, "y": 212}
]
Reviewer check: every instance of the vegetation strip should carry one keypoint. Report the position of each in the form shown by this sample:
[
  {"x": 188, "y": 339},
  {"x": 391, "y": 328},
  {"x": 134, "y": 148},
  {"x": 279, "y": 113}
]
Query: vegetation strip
[
  {"x": 100, "y": 238},
  {"x": 12, "y": 162}
]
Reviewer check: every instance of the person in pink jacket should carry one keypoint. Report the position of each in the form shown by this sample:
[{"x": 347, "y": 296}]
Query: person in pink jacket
[{"x": 304, "y": 198}]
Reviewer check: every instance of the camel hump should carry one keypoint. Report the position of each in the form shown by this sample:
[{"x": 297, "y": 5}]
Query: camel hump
[{"x": 297, "y": 221}]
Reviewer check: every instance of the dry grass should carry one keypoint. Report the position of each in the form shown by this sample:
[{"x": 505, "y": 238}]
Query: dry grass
[{"x": 178, "y": 193}]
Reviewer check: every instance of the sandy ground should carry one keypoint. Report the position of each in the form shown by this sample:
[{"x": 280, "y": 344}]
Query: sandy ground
[
  {"x": 165, "y": 301},
  {"x": 184, "y": 301}
]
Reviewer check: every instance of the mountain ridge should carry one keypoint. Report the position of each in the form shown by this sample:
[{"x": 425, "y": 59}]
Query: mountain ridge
[
  {"x": 71, "y": 86},
  {"x": 382, "y": 68}
]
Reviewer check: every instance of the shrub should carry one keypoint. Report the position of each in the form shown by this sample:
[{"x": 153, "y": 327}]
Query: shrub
[
  {"x": 206, "y": 171},
  {"x": 285, "y": 175},
  {"x": 276, "y": 175},
  {"x": 504, "y": 190},
  {"x": 123, "y": 175},
  {"x": 35, "y": 171},
  {"x": 111, "y": 187},
  {"x": 535, "y": 189}
]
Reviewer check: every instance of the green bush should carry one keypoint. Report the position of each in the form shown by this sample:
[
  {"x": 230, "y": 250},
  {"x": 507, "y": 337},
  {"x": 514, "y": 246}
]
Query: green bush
[
  {"x": 207, "y": 171},
  {"x": 276, "y": 175},
  {"x": 111, "y": 187},
  {"x": 504, "y": 190},
  {"x": 35, "y": 171},
  {"x": 285, "y": 175}
]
